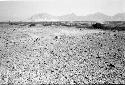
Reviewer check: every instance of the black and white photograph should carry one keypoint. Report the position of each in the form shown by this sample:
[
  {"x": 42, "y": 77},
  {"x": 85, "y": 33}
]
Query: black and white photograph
[{"x": 63, "y": 42}]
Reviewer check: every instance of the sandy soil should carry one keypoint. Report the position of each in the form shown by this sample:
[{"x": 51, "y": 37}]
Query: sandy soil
[{"x": 60, "y": 55}]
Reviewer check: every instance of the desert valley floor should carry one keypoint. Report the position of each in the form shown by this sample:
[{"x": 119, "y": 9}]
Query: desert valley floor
[{"x": 61, "y": 55}]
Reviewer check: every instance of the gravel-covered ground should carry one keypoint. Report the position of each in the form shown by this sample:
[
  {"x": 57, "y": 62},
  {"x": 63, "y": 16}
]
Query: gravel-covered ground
[{"x": 60, "y": 55}]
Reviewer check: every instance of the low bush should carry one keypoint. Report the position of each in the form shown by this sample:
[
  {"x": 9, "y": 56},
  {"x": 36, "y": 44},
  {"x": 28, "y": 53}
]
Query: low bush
[{"x": 32, "y": 25}]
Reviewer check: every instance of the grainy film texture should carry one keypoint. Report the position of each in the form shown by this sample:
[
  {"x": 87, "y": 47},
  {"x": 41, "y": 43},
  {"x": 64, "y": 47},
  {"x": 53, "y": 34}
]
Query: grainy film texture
[{"x": 62, "y": 42}]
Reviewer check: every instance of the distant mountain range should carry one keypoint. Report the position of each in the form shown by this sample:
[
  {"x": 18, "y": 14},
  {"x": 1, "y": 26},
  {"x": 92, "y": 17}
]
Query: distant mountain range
[{"x": 99, "y": 17}]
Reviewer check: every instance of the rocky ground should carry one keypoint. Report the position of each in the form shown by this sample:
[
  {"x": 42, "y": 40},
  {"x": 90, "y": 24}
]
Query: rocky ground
[{"x": 60, "y": 55}]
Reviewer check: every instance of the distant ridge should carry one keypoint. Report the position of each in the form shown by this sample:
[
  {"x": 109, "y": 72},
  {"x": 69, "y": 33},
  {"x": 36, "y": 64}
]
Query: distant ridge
[
  {"x": 43, "y": 17},
  {"x": 100, "y": 17},
  {"x": 119, "y": 17}
]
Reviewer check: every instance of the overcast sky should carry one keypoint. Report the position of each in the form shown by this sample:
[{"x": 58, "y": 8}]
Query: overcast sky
[{"x": 28, "y": 8}]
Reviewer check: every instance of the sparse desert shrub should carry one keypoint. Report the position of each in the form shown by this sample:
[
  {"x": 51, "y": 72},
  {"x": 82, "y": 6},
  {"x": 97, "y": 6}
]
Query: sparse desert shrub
[
  {"x": 98, "y": 26},
  {"x": 32, "y": 25},
  {"x": 13, "y": 23},
  {"x": 46, "y": 23}
]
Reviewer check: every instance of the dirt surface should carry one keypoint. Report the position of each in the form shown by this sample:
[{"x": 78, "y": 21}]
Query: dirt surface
[{"x": 60, "y": 55}]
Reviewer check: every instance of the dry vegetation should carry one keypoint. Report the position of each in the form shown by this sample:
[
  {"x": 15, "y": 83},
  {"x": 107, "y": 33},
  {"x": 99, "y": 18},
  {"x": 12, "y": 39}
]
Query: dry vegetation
[{"x": 61, "y": 55}]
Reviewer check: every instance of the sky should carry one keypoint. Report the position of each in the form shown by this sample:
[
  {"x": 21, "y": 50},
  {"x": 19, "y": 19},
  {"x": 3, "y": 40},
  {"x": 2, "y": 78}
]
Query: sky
[{"x": 27, "y": 8}]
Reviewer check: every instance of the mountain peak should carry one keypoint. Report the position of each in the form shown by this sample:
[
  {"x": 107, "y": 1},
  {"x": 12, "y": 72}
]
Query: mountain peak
[
  {"x": 71, "y": 14},
  {"x": 43, "y": 17},
  {"x": 99, "y": 13},
  {"x": 42, "y": 14}
]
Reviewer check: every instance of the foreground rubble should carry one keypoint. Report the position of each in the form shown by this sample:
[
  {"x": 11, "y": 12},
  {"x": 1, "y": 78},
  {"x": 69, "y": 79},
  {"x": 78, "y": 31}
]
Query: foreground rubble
[{"x": 51, "y": 56}]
